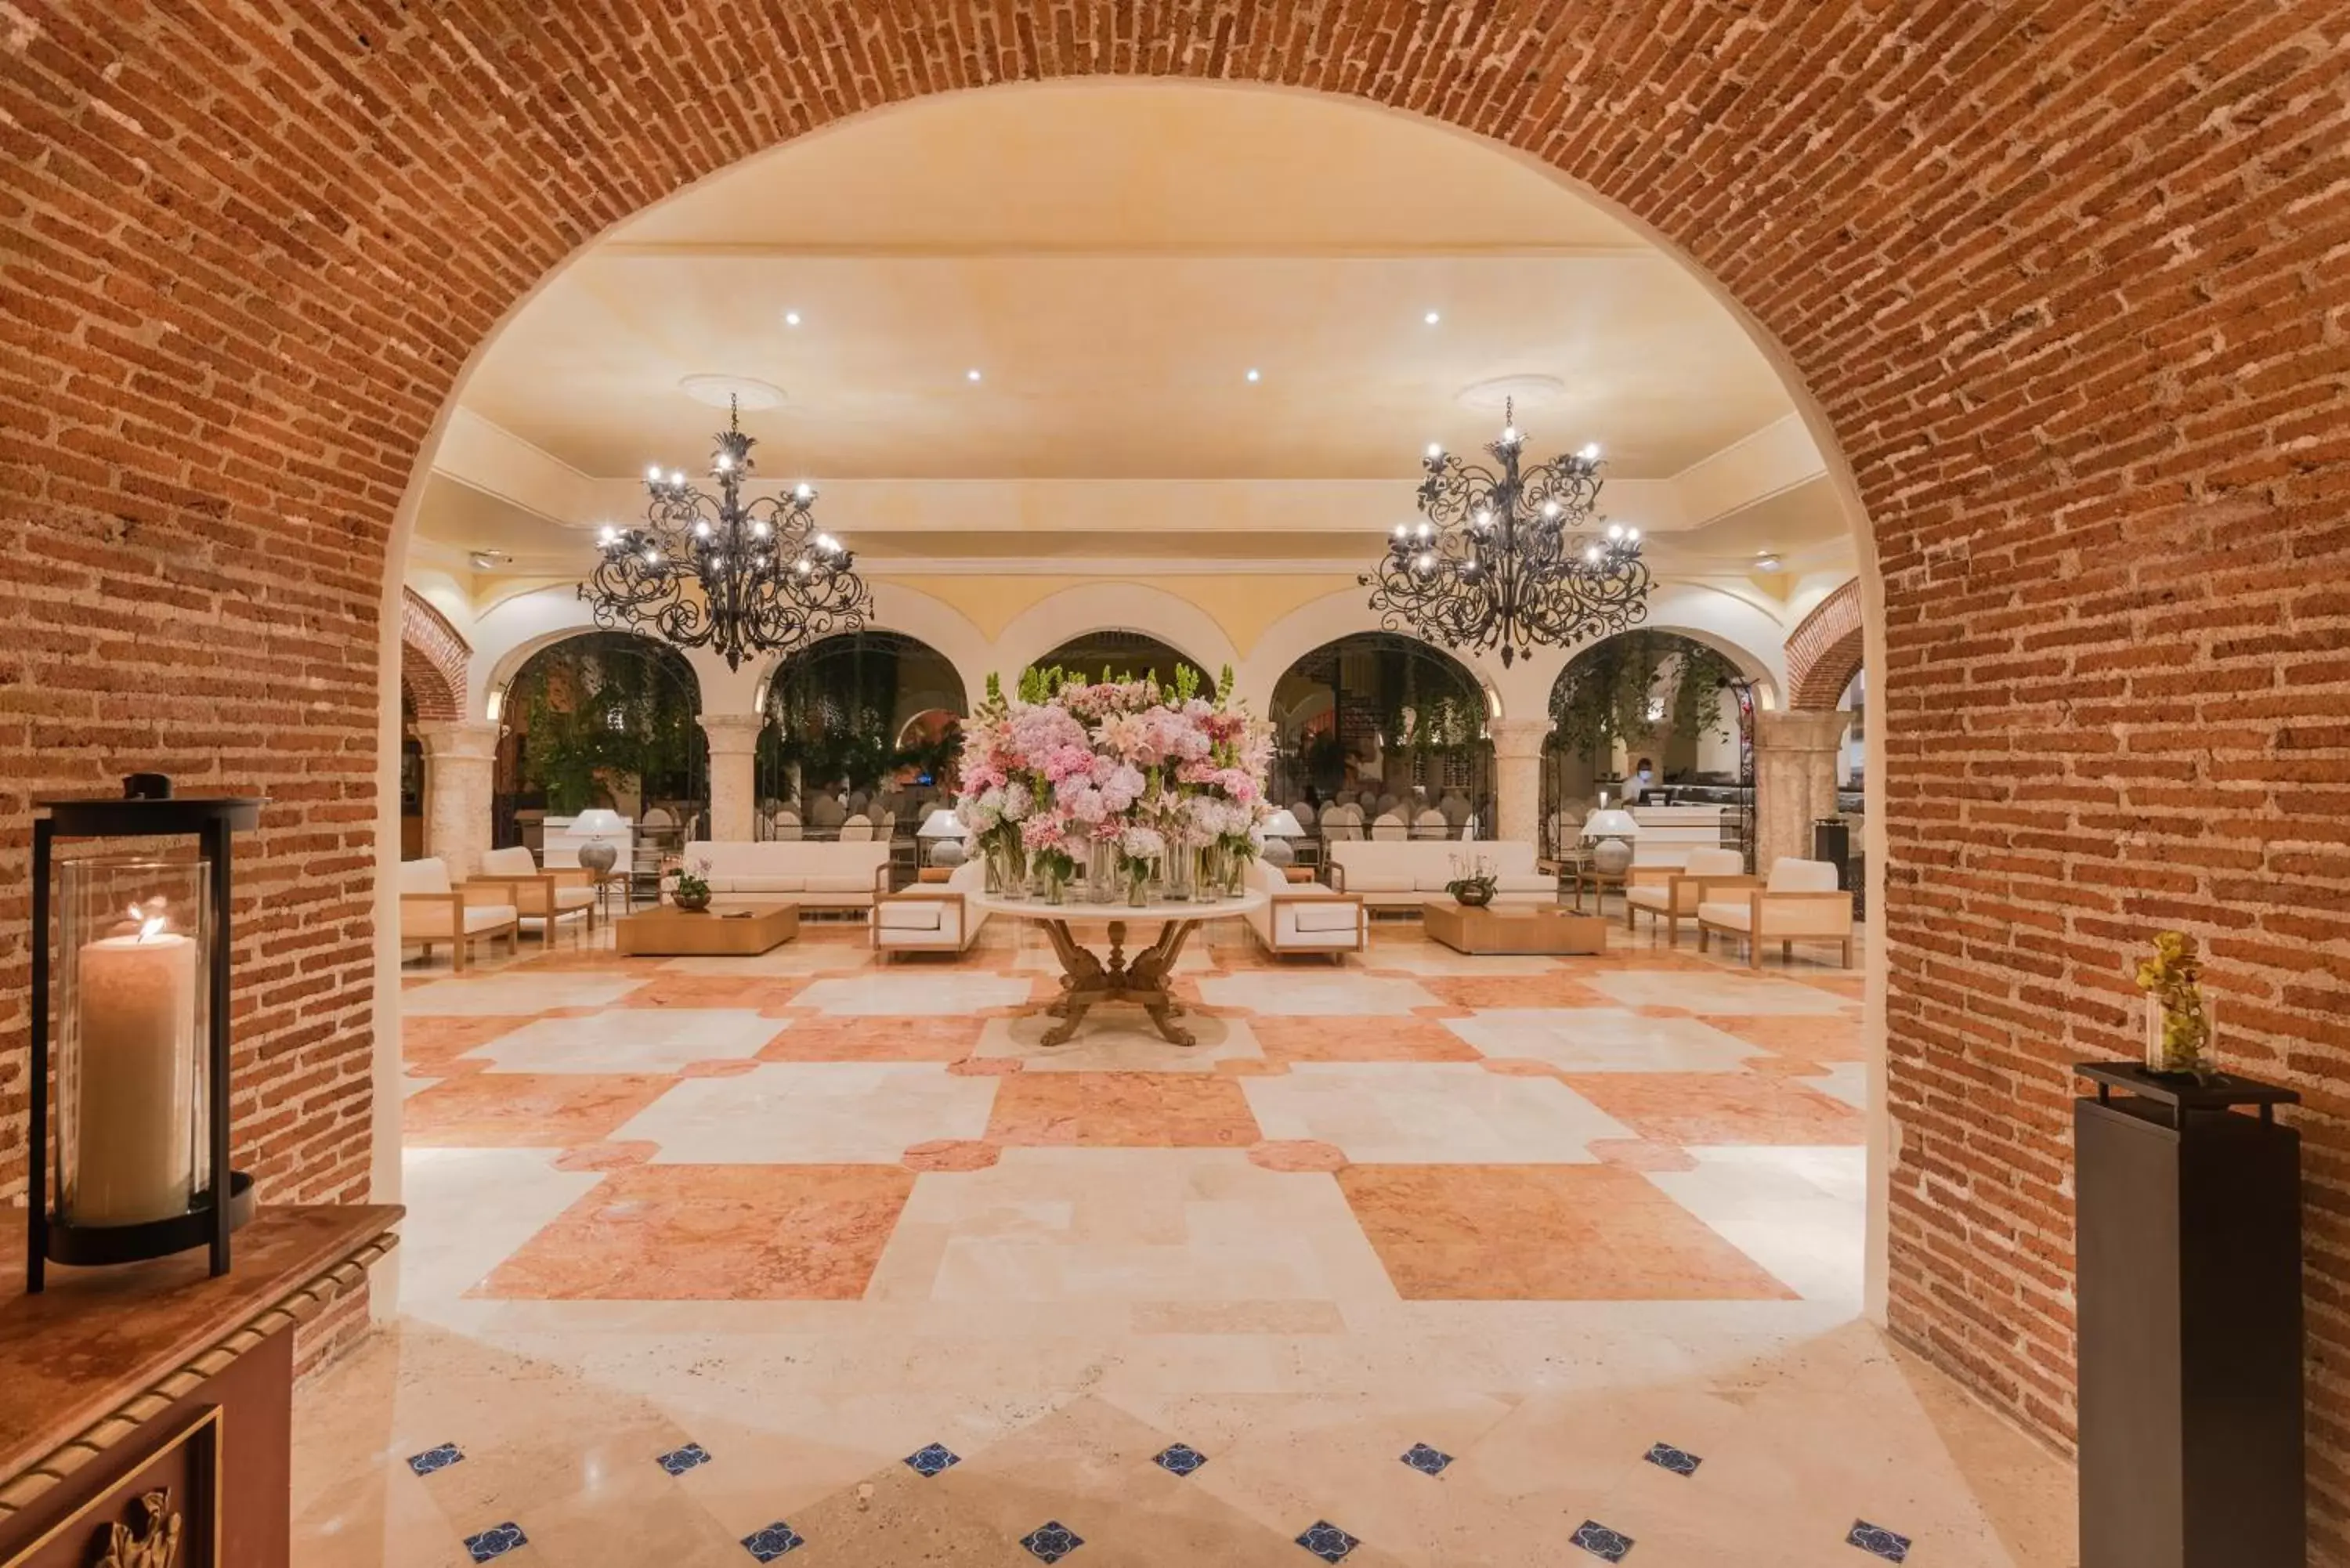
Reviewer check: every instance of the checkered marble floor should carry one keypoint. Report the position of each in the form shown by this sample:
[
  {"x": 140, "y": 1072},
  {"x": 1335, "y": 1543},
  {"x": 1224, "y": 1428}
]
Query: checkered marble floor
[{"x": 1425, "y": 1259}]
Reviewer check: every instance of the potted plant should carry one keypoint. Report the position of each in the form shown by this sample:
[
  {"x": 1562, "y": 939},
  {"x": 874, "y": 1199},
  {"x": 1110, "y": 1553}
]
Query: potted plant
[
  {"x": 2177, "y": 1018},
  {"x": 690, "y": 891},
  {"x": 1473, "y": 884}
]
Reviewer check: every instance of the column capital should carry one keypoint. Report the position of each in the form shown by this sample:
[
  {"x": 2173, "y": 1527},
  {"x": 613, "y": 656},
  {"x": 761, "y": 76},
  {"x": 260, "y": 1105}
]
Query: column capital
[
  {"x": 732, "y": 734},
  {"x": 1801, "y": 729},
  {"x": 1519, "y": 738},
  {"x": 458, "y": 739}
]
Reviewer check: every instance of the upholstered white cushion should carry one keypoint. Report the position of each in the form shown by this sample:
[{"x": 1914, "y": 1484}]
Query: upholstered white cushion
[
  {"x": 912, "y": 914},
  {"x": 755, "y": 884},
  {"x": 1381, "y": 882},
  {"x": 1789, "y": 875},
  {"x": 1656, "y": 895},
  {"x": 482, "y": 916},
  {"x": 423, "y": 877},
  {"x": 1714, "y": 863},
  {"x": 1737, "y": 916},
  {"x": 513, "y": 862},
  {"x": 827, "y": 882},
  {"x": 1323, "y": 915},
  {"x": 574, "y": 898}
]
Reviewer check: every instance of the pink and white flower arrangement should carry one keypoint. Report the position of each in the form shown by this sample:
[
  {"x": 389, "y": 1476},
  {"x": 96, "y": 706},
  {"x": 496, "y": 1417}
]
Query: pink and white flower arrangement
[{"x": 1140, "y": 769}]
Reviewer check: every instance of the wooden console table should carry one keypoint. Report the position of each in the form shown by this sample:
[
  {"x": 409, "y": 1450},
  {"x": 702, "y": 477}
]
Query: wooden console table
[{"x": 131, "y": 1396}]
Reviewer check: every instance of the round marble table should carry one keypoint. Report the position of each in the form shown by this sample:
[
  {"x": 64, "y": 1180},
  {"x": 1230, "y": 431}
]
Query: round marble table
[{"x": 1089, "y": 979}]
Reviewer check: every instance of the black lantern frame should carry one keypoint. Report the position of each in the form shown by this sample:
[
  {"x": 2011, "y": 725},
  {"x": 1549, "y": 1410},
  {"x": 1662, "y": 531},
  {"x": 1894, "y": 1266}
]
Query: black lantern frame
[{"x": 147, "y": 809}]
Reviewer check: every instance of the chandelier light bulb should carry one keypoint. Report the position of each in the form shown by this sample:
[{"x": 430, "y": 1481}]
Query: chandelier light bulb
[
  {"x": 606, "y": 537},
  {"x": 1425, "y": 530},
  {"x": 1591, "y": 452},
  {"x": 1401, "y": 530},
  {"x": 677, "y": 477},
  {"x": 1592, "y": 553},
  {"x": 1631, "y": 536},
  {"x": 760, "y": 527},
  {"x": 801, "y": 565},
  {"x": 1484, "y": 519},
  {"x": 1615, "y": 530},
  {"x": 1435, "y": 450},
  {"x": 1427, "y": 561},
  {"x": 652, "y": 557},
  {"x": 1550, "y": 508},
  {"x": 701, "y": 530},
  {"x": 1509, "y": 435},
  {"x": 804, "y": 492},
  {"x": 724, "y": 462},
  {"x": 652, "y": 474}
]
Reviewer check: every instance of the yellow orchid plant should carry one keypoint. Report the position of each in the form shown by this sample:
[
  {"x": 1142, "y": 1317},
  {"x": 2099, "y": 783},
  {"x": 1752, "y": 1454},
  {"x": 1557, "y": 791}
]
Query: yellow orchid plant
[{"x": 2173, "y": 979}]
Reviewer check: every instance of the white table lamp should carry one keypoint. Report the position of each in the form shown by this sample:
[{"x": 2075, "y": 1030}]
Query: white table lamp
[
  {"x": 1611, "y": 833},
  {"x": 1284, "y": 824},
  {"x": 595, "y": 824}
]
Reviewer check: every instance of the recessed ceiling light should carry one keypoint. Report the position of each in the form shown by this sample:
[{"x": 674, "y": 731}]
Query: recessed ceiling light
[
  {"x": 791, "y": 318},
  {"x": 1768, "y": 561},
  {"x": 972, "y": 374},
  {"x": 1253, "y": 375},
  {"x": 489, "y": 560},
  {"x": 1432, "y": 318}
]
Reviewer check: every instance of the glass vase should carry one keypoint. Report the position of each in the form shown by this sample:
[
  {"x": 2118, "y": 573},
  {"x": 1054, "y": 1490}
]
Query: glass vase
[
  {"x": 1137, "y": 888},
  {"x": 2180, "y": 1044},
  {"x": 1101, "y": 871},
  {"x": 1181, "y": 872}
]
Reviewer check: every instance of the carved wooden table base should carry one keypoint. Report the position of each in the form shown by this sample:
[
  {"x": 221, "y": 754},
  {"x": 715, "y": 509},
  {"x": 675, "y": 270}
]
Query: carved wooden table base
[{"x": 1087, "y": 979}]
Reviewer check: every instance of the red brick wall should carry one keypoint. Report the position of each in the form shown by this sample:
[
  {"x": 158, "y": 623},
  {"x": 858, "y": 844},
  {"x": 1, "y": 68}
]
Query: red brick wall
[
  {"x": 432, "y": 659},
  {"x": 2071, "y": 282},
  {"x": 1824, "y": 650}
]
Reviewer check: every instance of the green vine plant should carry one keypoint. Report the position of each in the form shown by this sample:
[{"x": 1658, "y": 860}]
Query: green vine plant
[
  {"x": 1603, "y": 695},
  {"x": 590, "y": 715}
]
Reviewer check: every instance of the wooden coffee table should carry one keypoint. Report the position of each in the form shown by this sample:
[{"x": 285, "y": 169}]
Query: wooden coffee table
[
  {"x": 668, "y": 931},
  {"x": 1513, "y": 929}
]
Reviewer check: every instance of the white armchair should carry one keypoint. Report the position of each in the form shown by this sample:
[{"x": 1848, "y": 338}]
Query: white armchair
[
  {"x": 1669, "y": 896},
  {"x": 433, "y": 910},
  {"x": 931, "y": 917},
  {"x": 543, "y": 898},
  {"x": 1800, "y": 902},
  {"x": 1305, "y": 917}
]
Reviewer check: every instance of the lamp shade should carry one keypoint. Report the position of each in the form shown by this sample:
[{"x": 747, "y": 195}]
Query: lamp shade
[
  {"x": 1610, "y": 824},
  {"x": 1284, "y": 824},
  {"x": 599, "y": 820},
  {"x": 941, "y": 824}
]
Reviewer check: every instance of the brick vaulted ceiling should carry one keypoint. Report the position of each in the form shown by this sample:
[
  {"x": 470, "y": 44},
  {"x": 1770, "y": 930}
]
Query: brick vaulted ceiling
[{"x": 2067, "y": 281}]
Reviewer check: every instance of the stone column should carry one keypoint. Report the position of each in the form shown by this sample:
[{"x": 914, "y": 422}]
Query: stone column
[
  {"x": 460, "y": 773},
  {"x": 733, "y": 743},
  {"x": 1794, "y": 779},
  {"x": 1517, "y": 778}
]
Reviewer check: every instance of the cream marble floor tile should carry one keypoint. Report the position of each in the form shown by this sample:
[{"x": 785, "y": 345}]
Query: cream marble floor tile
[
  {"x": 1604, "y": 1040},
  {"x": 1435, "y": 958},
  {"x": 791, "y": 959},
  {"x": 907, "y": 992},
  {"x": 1800, "y": 1212},
  {"x": 1414, "y": 1113},
  {"x": 517, "y": 993},
  {"x": 1119, "y": 1039},
  {"x": 812, "y": 1113},
  {"x": 1845, "y": 1081},
  {"x": 1725, "y": 992},
  {"x": 630, "y": 1040},
  {"x": 1126, "y": 1225},
  {"x": 453, "y": 1238},
  {"x": 1333, "y": 993}
]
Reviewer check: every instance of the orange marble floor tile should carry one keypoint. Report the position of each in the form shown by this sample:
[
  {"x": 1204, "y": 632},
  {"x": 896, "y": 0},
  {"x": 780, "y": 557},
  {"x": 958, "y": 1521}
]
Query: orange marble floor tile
[
  {"x": 831, "y": 1037},
  {"x": 1123, "y": 1110},
  {"x": 1640, "y": 1153},
  {"x": 953, "y": 1154},
  {"x": 1697, "y": 1108},
  {"x": 608, "y": 1156},
  {"x": 526, "y": 1110},
  {"x": 1505, "y": 991},
  {"x": 601, "y": 960},
  {"x": 1368, "y": 1039},
  {"x": 1298, "y": 1154},
  {"x": 713, "y": 1233},
  {"x": 1543, "y": 1232},
  {"x": 1830, "y": 1039},
  {"x": 709, "y": 990},
  {"x": 433, "y": 1041}
]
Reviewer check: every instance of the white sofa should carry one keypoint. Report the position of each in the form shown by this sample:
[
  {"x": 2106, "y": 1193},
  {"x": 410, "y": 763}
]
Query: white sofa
[
  {"x": 432, "y": 910},
  {"x": 1669, "y": 896},
  {"x": 1305, "y": 917},
  {"x": 1406, "y": 874},
  {"x": 543, "y": 898},
  {"x": 1800, "y": 902},
  {"x": 823, "y": 874},
  {"x": 931, "y": 917}
]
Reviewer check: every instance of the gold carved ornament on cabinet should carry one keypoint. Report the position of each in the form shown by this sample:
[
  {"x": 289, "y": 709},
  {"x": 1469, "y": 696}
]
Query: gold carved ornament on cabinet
[{"x": 156, "y": 1545}]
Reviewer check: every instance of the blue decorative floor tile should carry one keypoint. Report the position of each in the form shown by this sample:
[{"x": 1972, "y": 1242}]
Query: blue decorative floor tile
[
  {"x": 1327, "y": 1541},
  {"x": 495, "y": 1542},
  {"x": 766, "y": 1546},
  {"x": 1879, "y": 1540},
  {"x": 1182, "y": 1459},
  {"x": 1607, "y": 1545},
  {"x": 432, "y": 1460},
  {"x": 1427, "y": 1462},
  {"x": 677, "y": 1461},
  {"x": 930, "y": 1459},
  {"x": 1052, "y": 1541},
  {"x": 1680, "y": 1461}
]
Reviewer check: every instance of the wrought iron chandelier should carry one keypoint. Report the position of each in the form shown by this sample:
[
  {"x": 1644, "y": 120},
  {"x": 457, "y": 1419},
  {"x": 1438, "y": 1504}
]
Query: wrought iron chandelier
[
  {"x": 1496, "y": 560},
  {"x": 744, "y": 577}
]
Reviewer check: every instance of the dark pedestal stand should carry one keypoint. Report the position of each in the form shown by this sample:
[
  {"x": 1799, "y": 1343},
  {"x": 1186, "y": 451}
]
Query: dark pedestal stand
[{"x": 2187, "y": 1230}]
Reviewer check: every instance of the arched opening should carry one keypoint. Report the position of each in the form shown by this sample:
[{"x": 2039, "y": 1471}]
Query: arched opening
[
  {"x": 1389, "y": 726},
  {"x": 413, "y": 842},
  {"x": 1649, "y": 718},
  {"x": 865, "y": 724},
  {"x": 601, "y": 719},
  {"x": 1123, "y": 655}
]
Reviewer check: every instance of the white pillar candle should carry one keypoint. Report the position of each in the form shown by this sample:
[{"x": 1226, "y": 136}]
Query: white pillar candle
[{"x": 133, "y": 1149}]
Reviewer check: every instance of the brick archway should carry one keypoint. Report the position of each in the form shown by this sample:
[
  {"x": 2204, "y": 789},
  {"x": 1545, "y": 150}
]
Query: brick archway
[
  {"x": 432, "y": 659},
  {"x": 1824, "y": 651},
  {"x": 2004, "y": 248}
]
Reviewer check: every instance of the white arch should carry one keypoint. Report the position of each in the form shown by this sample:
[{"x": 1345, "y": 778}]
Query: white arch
[
  {"x": 1742, "y": 632},
  {"x": 1343, "y": 614},
  {"x": 945, "y": 630},
  {"x": 509, "y": 633},
  {"x": 1112, "y": 607}
]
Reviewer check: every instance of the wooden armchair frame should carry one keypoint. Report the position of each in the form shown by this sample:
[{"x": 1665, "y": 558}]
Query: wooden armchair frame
[
  {"x": 1761, "y": 900},
  {"x": 452, "y": 905},
  {"x": 533, "y": 895},
  {"x": 1677, "y": 882}
]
